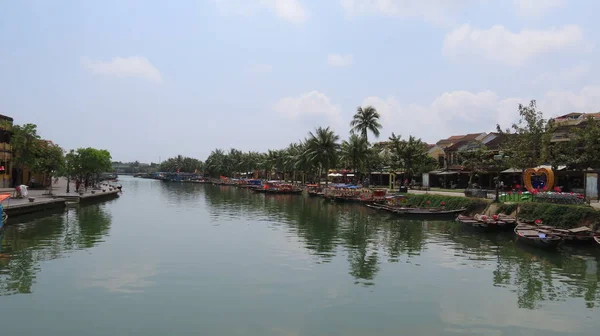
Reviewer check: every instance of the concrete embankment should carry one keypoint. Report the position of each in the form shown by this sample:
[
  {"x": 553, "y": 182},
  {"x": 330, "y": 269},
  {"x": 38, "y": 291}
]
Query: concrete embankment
[{"x": 42, "y": 200}]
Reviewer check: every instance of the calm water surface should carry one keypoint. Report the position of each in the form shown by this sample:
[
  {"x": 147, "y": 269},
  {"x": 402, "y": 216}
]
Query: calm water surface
[{"x": 180, "y": 259}]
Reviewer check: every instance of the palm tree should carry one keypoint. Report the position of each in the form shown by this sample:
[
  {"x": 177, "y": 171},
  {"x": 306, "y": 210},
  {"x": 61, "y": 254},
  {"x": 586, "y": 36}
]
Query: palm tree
[
  {"x": 322, "y": 149},
  {"x": 364, "y": 120},
  {"x": 354, "y": 152}
]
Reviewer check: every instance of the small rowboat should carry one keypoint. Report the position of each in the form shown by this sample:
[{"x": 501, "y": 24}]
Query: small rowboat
[
  {"x": 582, "y": 235},
  {"x": 496, "y": 222},
  {"x": 537, "y": 237},
  {"x": 416, "y": 211}
]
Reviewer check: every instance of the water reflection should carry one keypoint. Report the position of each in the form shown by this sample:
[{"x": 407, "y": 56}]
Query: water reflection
[
  {"x": 368, "y": 238},
  {"x": 30, "y": 240}
]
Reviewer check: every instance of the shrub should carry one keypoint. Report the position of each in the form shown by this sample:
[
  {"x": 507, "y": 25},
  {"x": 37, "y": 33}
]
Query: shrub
[
  {"x": 559, "y": 215},
  {"x": 450, "y": 202}
]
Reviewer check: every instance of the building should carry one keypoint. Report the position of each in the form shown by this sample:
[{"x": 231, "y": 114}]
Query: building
[
  {"x": 6, "y": 166},
  {"x": 564, "y": 125}
]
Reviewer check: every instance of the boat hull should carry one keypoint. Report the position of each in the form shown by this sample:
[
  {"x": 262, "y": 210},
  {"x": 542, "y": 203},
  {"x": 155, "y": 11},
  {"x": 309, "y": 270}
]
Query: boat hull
[{"x": 547, "y": 243}]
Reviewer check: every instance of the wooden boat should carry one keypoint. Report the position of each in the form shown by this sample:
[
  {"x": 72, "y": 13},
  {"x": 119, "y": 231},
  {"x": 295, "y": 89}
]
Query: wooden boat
[
  {"x": 582, "y": 235},
  {"x": 350, "y": 193},
  {"x": 534, "y": 236},
  {"x": 495, "y": 222},
  {"x": 278, "y": 189},
  {"x": 314, "y": 190},
  {"x": 416, "y": 211}
]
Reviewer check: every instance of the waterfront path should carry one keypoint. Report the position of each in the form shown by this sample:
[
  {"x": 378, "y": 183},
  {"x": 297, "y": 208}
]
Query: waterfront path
[{"x": 45, "y": 199}]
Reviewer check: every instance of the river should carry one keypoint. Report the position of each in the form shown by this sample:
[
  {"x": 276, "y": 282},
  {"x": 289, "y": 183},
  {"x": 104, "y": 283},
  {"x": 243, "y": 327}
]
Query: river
[{"x": 187, "y": 259}]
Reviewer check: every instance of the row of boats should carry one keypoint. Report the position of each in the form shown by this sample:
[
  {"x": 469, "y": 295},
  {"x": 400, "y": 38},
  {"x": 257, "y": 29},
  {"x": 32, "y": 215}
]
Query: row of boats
[
  {"x": 533, "y": 233},
  {"x": 530, "y": 232}
]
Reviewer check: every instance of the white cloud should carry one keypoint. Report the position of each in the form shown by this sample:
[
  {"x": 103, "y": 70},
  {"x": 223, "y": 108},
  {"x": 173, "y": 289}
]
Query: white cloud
[
  {"x": 289, "y": 10},
  {"x": 433, "y": 10},
  {"x": 462, "y": 112},
  {"x": 310, "y": 105},
  {"x": 337, "y": 60},
  {"x": 565, "y": 77},
  {"x": 562, "y": 102},
  {"x": 537, "y": 7},
  {"x": 260, "y": 68},
  {"x": 500, "y": 45},
  {"x": 134, "y": 66},
  {"x": 457, "y": 112}
]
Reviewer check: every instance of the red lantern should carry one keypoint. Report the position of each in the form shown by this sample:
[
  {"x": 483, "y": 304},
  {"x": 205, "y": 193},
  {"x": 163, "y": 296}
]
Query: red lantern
[
  {"x": 495, "y": 217},
  {"x": 428, "y": 202},
  {"x": 538, "y": 221},
  {"x": 557, "y": 189},
  {"x": 443, "y": 203},
  {"x": 510, "y": 192},
  {"x": 518, "y": 186}
]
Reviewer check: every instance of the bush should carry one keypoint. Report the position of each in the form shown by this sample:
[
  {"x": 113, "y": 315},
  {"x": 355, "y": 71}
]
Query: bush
[
  {"x": 451, "y": 202},
  {"x": 559, "y": 215}
]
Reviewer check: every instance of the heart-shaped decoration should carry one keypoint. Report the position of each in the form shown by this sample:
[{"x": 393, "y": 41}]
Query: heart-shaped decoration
[{"x": 529, "y": 172}]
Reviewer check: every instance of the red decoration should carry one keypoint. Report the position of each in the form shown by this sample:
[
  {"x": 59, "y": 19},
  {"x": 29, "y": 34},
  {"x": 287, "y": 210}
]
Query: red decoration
[
  {"x": 557, "y": 189},
  {"x": 495, "y": 217},
  {"x": 518, "y": 186},
  {"x": 443, "y": 203},
  {"x": 538, "y": 221},
  {"x": 428, "y": 202},
  {"x": 510, "y": 192}
]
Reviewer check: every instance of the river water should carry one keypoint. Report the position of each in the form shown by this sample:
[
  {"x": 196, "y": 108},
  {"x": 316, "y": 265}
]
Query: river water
[{"x": 186, "y": 259}]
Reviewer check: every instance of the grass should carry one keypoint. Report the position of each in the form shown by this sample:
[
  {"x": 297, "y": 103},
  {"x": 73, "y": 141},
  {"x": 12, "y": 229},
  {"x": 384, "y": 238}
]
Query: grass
[{"x": 450, "y": 202}]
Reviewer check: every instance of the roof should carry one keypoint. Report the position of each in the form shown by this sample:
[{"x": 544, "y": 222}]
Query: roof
[
  {"x": 6, "y": 117},
  {"x": 457, "y": 138}
]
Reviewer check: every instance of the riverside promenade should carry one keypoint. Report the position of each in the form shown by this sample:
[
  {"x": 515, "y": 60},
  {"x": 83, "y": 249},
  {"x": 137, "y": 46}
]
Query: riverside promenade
[{"x": 53, "y": 198}]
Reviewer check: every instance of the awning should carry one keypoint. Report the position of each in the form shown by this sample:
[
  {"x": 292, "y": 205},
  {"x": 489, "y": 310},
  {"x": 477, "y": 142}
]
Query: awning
[
  {"x": 435, "y": 172},
  {"x": 448, "y": 173},
  {"x": 350, "y": 175},
  {"x": 511, "y": 171},
  {"x": 334, "y": 175}
]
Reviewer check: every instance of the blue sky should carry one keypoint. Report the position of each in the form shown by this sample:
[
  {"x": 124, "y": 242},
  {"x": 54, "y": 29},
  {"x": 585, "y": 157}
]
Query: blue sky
[{"x": 150, "y": 79}]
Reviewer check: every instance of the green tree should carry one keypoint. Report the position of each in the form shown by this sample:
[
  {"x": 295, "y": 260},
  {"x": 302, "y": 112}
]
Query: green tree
[
  {"x": 92, "y": 163},
  {"x": 25, "y": 144},
  {"x": 526, "y": 140},
  {"x": 365, "y": 120},
  {"x": 50, "y": 160},
  {"x": 355, "y": 152},
  {"x": 323, "y": 149},
  {"x": 410, "y": 155},
  {"x": 475, "y": 160},
  {"x": 70, "y": 168}
]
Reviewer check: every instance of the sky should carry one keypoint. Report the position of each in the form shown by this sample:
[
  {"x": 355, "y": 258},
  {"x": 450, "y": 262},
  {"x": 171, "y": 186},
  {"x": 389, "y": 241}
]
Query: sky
[{"x": 148, "y": 80}]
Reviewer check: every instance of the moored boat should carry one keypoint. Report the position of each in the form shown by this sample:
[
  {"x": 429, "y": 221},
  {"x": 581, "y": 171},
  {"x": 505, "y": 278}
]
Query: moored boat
[
  {"x": 534, "y": 236},
  {"x": 314, "y": 190},
  {"x": 495, "y": 222},
  {"x": 279, "y": 188}
]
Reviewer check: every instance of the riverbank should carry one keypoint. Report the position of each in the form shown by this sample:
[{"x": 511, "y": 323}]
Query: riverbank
[{"x": 55, "y": 198}]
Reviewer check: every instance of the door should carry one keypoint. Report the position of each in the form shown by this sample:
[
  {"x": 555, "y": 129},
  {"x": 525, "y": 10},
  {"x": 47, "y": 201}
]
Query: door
[{"x": 591, "y": 186}]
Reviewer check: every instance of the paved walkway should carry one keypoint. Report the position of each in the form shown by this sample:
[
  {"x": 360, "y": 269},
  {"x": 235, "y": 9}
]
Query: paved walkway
[{"x": 59, "y": 189}]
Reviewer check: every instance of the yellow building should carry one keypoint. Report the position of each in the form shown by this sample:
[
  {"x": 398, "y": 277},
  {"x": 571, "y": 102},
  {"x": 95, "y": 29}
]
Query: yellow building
[{"x": 6, "y": 166}]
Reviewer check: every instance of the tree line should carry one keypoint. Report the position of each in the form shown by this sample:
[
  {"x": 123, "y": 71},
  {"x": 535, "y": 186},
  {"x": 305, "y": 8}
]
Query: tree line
[
  {"x": 319, "y": 152},
  {"x": 83, "y": 165}
]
